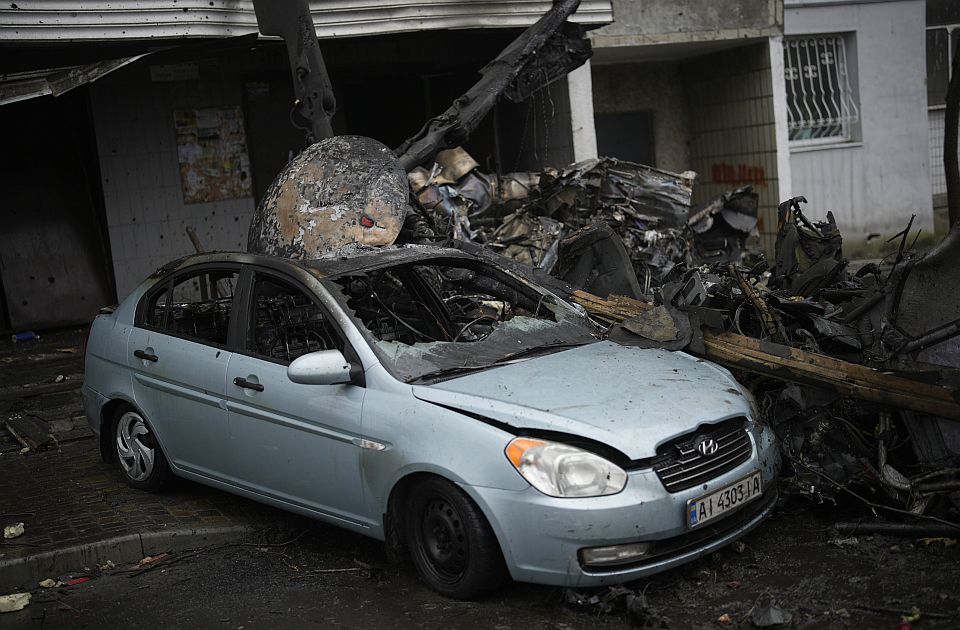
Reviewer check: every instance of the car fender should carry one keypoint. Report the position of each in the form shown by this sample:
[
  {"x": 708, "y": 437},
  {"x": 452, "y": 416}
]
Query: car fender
[{"x": 421, "y": 437}]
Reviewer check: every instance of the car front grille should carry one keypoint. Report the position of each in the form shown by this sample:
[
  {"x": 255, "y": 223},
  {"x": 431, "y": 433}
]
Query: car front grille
[{"x": 680, "y": 465}]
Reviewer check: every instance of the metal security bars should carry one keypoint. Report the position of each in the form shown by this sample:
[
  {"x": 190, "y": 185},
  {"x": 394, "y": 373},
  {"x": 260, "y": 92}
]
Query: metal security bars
[{"x": 820, "y": 102}]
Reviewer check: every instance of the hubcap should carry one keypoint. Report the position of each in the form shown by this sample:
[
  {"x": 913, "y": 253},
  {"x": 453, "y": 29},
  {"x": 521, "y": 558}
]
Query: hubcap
[
  {"x": 135, "y": 448},
  {"x": 444, "y": 539}
]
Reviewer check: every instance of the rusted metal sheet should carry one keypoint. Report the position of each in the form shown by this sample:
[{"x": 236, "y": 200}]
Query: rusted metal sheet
[
  {"x": 83, "y": 20},
  {"x": 340, "y": 191}
]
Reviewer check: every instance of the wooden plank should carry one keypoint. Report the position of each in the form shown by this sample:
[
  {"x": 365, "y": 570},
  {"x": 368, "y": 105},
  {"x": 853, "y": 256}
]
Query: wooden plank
[
  {"x": 793, "y": 365},
  {"x": 850, "y": 379}
]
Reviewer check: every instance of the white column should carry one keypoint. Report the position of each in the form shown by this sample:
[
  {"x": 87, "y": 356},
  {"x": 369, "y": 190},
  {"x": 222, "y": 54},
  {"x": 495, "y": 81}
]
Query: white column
[
  {"x": 580, "y": 88},
  {"x": 784, "y": 176}
]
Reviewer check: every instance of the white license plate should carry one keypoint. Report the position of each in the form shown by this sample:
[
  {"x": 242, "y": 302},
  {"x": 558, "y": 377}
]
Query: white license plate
[{"x": 715, "y": 505}]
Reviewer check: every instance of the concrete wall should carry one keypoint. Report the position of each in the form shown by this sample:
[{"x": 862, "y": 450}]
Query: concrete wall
[
  {"x": 873, "y": 185},
  {"x": 654, "y": 87},
  {"x": 146, "y": 216},
  {"x": 671, "y": 21},
  {"x": 733, "y": 129}
]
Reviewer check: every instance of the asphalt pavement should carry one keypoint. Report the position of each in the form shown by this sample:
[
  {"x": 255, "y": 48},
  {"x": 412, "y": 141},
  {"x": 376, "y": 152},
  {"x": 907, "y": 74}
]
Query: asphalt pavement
[{"x": 215, "y": 560}]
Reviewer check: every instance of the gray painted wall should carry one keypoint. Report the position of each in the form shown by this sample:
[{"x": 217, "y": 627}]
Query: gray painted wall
[
  {"x": 654, "y": 87},
  {"x": 146, "y": 215},
  {"x": 663, "y": 21},
  {"x": 873, "y": 185}
]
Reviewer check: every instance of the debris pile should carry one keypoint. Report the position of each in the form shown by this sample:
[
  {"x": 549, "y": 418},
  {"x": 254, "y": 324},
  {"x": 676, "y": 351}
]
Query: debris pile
[
  {"x": 817, "y": 342},
  {"x": 831, "y": 369},
  {"x": 562, "y": 221}
]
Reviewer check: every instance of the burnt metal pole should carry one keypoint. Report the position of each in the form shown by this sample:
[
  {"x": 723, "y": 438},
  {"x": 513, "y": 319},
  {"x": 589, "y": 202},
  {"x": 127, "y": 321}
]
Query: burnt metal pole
[
  {"x": 951, "y": 164},
  {"x": 455, "y": 125},
  {"x": 315, "y": 103}
]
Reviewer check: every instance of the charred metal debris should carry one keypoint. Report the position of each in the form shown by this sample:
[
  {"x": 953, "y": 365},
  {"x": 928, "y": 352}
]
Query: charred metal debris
[{"x": 833, "y": 369}]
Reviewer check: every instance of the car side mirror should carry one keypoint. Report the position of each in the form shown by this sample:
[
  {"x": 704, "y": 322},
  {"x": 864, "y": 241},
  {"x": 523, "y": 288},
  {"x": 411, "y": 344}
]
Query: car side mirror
[{"x": 327, "y": 367}]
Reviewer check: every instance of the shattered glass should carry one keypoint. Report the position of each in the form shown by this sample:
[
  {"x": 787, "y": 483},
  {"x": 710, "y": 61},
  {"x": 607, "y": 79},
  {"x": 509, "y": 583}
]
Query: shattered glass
[{"x": 436, "y": 318}]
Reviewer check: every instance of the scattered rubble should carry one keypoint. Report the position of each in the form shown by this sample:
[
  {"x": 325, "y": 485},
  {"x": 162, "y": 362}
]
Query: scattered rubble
[
  {"x": 32, "y": 432},
  {"x": 13, "y": 531},
  {"x": 817, "y": 342},
  {"x": 14, "y": 602}
]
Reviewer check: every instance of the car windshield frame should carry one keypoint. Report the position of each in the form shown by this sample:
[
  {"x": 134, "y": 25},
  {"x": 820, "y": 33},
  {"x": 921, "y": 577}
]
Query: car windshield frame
[{"x": 554, "y": 326}]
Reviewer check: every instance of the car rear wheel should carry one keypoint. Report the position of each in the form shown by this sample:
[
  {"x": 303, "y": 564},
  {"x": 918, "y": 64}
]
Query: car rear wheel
[
  {"x": 138, "y": 454},
  {"x": 452, "y": 544}
]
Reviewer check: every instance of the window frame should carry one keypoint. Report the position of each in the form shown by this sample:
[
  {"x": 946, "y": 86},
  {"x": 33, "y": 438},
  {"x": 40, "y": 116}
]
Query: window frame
[
  {"x": 245, "y": 316},
  {"x": 950, "y": 28},
  {"x": 171, "y": 280},
  {"x": 847, "y": 96}
]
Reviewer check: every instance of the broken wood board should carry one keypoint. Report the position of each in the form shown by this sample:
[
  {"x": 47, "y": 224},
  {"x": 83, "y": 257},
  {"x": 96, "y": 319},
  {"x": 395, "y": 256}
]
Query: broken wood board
[
  {"x": 30, "y": 431},
  {"x": 790, "y": 364},
  {"x": 851, "y": 379}
]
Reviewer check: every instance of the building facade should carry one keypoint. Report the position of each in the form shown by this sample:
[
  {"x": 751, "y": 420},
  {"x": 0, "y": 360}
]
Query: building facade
[{"x": 857, "y": 110}]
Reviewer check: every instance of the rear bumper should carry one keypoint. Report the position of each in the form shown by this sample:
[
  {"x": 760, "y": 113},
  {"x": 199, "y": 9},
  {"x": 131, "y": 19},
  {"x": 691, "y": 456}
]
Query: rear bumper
[{"x": 93, "y": 402}]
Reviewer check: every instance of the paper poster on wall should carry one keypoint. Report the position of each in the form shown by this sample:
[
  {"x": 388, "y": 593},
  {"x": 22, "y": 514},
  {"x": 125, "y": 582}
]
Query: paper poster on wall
[{"x": 212, "y": 149}]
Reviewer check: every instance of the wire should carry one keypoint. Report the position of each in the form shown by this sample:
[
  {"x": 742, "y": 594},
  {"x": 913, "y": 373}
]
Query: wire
[{"x": 871, "y": 504}]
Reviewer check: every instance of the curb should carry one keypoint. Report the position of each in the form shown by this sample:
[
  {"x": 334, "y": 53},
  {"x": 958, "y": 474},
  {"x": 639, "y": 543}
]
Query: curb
[{"x": 28, "y": 571}]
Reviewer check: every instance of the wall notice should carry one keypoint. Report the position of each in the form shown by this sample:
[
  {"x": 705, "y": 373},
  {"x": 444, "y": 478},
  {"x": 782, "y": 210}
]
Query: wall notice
[{"x": 212, "y": 149}]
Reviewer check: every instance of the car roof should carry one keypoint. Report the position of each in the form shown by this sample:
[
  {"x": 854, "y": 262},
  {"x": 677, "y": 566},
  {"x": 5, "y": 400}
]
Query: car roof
[{"x": 346, "y": 261}]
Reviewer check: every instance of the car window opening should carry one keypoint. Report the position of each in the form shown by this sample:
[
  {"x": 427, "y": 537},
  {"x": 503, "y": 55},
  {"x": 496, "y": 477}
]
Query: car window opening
[
  {"x": 287, "y": 323},
  {"x": 415, "y": 304},
  {"x": 199, "y": 306}
]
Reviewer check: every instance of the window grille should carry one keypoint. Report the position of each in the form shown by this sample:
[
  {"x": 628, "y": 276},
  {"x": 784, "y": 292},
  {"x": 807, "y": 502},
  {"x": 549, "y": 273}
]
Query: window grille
[{"x": 820, "y": 102}]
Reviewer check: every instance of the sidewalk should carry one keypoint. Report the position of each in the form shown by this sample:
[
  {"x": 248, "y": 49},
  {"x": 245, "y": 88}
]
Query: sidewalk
[{"x": 70, "y": 502}]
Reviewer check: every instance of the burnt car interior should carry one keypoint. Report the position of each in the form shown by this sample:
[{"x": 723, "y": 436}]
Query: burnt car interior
[
  {"x": 287, "y": 323},
  {"x": 422, "y": 303},
  {"x": 197, "y": 306}
]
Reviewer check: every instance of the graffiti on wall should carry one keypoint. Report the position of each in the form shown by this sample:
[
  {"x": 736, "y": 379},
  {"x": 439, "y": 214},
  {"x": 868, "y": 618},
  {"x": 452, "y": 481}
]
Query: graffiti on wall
[
  {"x": 738, "y": 175},
  {"x": 212, "y": 150}
]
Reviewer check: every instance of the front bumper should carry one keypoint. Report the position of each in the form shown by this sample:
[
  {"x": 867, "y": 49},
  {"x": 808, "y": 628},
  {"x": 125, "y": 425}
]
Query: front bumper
[{"x": 541, "y": 536}]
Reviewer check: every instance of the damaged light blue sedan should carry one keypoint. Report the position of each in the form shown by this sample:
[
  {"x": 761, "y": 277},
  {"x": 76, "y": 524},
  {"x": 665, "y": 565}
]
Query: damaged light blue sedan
[{"x": 434, "y": 400}]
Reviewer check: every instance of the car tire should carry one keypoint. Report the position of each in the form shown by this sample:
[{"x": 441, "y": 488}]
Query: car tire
[
  {"x": 451, "y": 542},
  {"x": 137, "y": 452}
]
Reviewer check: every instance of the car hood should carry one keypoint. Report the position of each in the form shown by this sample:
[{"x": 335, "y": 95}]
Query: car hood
[{"x": 632, "y": 399}]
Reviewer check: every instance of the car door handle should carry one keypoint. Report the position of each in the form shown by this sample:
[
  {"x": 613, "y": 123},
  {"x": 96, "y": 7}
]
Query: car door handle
[
  {"x": 140, "y": 354},
  {"x": 244, "y": 383}
]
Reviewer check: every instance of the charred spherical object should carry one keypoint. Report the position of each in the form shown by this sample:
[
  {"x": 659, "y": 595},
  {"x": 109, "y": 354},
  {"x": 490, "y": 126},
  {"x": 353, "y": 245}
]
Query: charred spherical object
[{"x": 337, "y": 192}]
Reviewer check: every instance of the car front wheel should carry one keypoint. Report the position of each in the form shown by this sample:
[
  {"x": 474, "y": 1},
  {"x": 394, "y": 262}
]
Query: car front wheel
[
  {"x": 138, "y": 454},
  {"x": 451, "y": 542}
]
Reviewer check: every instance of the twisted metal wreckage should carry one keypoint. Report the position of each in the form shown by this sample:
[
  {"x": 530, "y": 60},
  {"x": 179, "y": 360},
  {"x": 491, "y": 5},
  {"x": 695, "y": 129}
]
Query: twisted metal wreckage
[{"x": 855, "y": 371}]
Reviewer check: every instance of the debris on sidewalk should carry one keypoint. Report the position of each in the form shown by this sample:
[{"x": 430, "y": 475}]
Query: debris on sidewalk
[
  {"x": 27, "y": 335},
  {"x": 72, "y": 579},
  {"x": 14, "y": 602},
  {"x": 50, "y": 583},
  {"x": 12, "y": 531},
  {"x": 150, "y": 560},
  {"x": 617, "y": 599},
  {"x": 32, "y": 432},
  {"x": 769, "y": 614}
]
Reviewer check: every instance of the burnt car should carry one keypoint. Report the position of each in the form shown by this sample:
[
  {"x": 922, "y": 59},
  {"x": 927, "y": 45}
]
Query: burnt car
[{"x": 436, "y": 401}]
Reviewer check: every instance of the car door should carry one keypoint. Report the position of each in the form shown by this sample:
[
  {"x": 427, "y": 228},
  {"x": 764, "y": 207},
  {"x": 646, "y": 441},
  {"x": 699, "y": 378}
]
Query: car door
[
  {"x": 178, "y": 353},
  {"x": 293, "y": 443}
]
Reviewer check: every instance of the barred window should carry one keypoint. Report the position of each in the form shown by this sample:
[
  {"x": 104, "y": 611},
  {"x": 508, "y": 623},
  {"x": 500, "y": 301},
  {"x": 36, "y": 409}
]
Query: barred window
[{"x": 821, "y": 104}]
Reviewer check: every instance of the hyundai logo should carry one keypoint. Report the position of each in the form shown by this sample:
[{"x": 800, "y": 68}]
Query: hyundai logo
[{"x": 707, "y": 447}]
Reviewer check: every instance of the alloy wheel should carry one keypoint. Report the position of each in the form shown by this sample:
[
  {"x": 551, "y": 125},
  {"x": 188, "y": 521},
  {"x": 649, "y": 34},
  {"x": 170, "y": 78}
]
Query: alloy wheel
[{"x": 135, "y": 446}]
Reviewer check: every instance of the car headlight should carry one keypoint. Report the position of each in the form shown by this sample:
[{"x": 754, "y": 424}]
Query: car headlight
[{"x": 560, "y": 470}]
